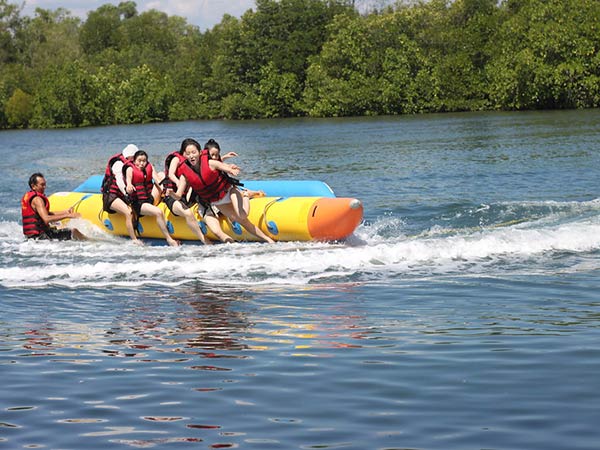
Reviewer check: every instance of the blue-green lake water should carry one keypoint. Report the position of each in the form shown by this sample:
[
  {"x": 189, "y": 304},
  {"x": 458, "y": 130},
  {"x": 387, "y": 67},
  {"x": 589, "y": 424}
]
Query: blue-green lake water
[{"x": 464, "y": 312}]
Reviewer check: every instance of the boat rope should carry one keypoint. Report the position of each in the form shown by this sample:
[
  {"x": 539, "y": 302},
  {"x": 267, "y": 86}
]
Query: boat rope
[{"x": 263, "y": 217}]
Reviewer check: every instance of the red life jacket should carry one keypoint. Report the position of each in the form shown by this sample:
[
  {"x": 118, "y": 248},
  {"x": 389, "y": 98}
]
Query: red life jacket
[
  {"x": 142, "y": 182},
  {"x": 33, "y": 224},
  {"x": 209, "y": 185},
  {"x": 109, "y": 183},
  {"x": 167, "y": 183}
]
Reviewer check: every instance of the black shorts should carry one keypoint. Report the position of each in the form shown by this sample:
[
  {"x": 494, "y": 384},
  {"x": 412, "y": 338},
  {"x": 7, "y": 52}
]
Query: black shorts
[
  {"x": 170, "y": 201},
  {"x": 207, "y": 210},
  {"x": 137, "y": 206},
  {"x": 203, "y": 209},
  {"x": 54, "y": 234},
  {"x": 107, "y": 200}
]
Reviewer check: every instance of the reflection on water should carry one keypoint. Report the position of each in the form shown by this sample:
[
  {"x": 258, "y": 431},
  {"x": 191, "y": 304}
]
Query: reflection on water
[
  {"x": 318, "y": 367},
  {"x": 215, "y": 323},
  {"x": 188, "y": 360}
]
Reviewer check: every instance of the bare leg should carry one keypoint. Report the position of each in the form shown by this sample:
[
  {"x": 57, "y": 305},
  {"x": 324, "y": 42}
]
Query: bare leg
[
  {"x": 151, "y": 210},
  {"x": 215, "y": 226},
  {"x": 121, "y": 207},
  {"x": 156, "y": 190},
  {"x": 235, "y": 211},
  {"x": 247, "y": 194},
  {"x": 188, "y": 215},
  {"x": 156, "y": 195}
]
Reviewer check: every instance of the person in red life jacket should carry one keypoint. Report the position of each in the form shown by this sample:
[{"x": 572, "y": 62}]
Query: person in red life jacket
[
  {"x": 181, "y": 201},
  {"x": 37, "y": 218},
  {"x": 114, "y": 194},
  {"x": 214, "y": 151},
  {"x": 180, "y": 205},
  {"x": 211, "y": 181},
  {"x": 141, "y": 184}
]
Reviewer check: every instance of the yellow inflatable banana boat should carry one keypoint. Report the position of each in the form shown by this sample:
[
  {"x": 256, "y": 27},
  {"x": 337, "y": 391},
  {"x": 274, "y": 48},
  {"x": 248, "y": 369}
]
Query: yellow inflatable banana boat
[{"x": 282, "y": 218}]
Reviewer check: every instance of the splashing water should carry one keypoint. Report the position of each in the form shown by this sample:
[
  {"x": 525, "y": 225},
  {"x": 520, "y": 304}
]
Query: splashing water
[{"x": 515, "y": 235}]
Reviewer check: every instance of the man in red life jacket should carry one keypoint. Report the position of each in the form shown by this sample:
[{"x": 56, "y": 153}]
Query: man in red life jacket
[{"x": 37, "y": 218}]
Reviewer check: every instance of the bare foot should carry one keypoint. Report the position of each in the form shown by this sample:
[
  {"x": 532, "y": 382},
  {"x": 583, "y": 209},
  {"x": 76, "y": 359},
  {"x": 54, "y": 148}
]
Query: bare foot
[
  {"x": 251, "y": 194},
  {"x": 173, "y": 243}
]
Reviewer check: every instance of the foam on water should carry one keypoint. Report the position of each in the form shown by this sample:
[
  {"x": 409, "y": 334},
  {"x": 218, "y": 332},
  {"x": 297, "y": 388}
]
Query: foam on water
[{"x": 378, "y": 251}]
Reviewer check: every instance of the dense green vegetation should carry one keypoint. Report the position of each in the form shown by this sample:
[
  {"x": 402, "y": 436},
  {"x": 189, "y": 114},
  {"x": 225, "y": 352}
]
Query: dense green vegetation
[{"x": 297, "y": 58}]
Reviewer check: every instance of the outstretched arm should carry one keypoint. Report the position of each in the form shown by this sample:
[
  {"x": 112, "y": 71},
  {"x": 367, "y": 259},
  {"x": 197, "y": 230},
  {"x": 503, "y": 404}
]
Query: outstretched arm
[
  {"x": 48, "y": 217},
  {"x": 231, "y": 169},
  {"x": 228, "y": 155}
]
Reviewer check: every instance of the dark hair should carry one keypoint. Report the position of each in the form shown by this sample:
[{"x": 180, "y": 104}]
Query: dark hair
[
  {"x": 140, "y": 153},
  {"x": 212, "y": 144},
  {"x": 189, "y": 141},
  {"x": 33, "y": 179}
]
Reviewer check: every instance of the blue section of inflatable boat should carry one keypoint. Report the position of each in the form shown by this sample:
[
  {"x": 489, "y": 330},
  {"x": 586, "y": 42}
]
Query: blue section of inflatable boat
[{"x": 271, "y": 188}]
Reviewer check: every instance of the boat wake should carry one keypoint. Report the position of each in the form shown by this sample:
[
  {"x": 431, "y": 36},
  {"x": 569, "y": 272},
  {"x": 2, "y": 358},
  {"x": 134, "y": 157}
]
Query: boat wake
[{"x": 506, "y": 239}]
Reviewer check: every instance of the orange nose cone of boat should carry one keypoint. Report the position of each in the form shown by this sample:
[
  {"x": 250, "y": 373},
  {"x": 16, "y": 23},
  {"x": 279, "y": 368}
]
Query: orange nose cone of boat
[{"x": 334, "y": 218}]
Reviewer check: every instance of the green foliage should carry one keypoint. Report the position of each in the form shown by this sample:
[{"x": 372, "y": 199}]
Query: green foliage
[
  {"x": 285, "y": 33},
  {"x": 297, "y": 57},
  {"x": 101, "y": 30},
  {"x": 241, "y": 105},
  {"x": 10, "y": 25},
  {"x": 19, "y": 109},
  {"x": 278, "y": 92},
  {"x": 50, "y": 38},
  {"x": 225, "y": 67},
  {"x": 143, "y": 97},
  {"x": 103, "y": 89},
  {"x": 60, "y": 97},
  {"x": 270, "y": 50},
  {"x": 3, "y": 118},
  {"x": 366, "y": 67},
  {"x": 547, "y": 56}
]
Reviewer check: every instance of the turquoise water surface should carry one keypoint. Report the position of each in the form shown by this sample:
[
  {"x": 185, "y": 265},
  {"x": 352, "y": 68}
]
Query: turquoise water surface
[{"x": 464, "y": 312}]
